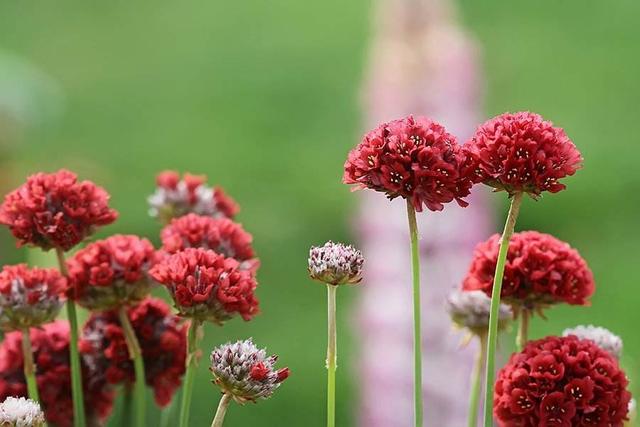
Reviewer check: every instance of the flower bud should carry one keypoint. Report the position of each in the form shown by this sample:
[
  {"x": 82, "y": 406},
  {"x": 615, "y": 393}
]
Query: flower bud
[{"x": 335, "y": 264}]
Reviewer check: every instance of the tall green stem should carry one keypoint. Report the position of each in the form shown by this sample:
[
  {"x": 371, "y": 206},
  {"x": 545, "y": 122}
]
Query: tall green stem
[
  {"x": 476, "y": 381},
  {"x": 79, "y": 419},
  {"x": 523, "y": 329},
  {"x": 417, "y": 335},
  {"x": 332, "y": 356},
  {"x": 29, "y": 366},
  {"x": 192, "y": 364},
  {"x": 222, "y": 410},
  {"x": 492, "y": 341},
  {"x": 138, "y": 364}
]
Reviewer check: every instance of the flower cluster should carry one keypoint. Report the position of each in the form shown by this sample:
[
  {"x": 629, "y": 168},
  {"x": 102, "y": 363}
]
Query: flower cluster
[
  {"x": 175, "y": 197},
  {"x": 51, "y": 355},
  {"x": 561, "y": 382},
  {"x": 470, "y": 310},
  {"x": 413, "y": 158},
  {"x": 20, "y": 412},
  {"x": 55, "y": 210},
  {"x": 522, "y": 152},
  {"x": 603, "y": 338},
  {"x": 335, "y": 264},
  {"x": 111, "y": 272},
  {"x": 540, "y": 270},
  {"x": 162, "y": 338},
  {"x": 245, "y": 372},
  {"x": 221, "y": 235},
  {"x": 29, "y": 297},
  {"x": 206, "y": 285}
]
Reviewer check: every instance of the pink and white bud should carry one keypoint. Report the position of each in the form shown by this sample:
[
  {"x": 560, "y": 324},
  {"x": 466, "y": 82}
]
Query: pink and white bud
[
  {"x": 335, "y": 264},
  {"x": 21, "y": 412},
  {"x": 604, "y": 338}
]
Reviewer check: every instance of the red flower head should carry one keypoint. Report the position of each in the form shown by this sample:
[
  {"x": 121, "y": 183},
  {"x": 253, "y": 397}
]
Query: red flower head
[
  {"x": 540, "y": 270},
  {"x": 522, "y": 152},
  {"x": 414, "y": 158},
  {"x": 561, "y": 382},
  {"x": 175, "y": 197},
  {"x": 53, "y": 374},
  {"x": 221, "y": 235},
  {"x": 55, "y": 210},
  {"x": 163, "y": 340},
  {"x": 111, "y": 272},
  {"x": 207, "y": 286},
  {"x": 29, "y": 297}
]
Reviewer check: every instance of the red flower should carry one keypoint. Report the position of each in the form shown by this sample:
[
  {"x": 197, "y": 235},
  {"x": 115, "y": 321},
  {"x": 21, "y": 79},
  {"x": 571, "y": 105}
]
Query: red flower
[
  {"x": 55, "y": 210},
  {"x": 547, "y": 385},
  {"x": 162, "y": 338},
  {"x": 540, "y": 270},
  {"x": 522, "y": 152},
  {"x": 53, "y": 375},
  {"x": 414, "y": 158},
  {"x": 207, "y": 286},
  {"x": 221, "y": 235},
  {"x": 111, "y": 272}
]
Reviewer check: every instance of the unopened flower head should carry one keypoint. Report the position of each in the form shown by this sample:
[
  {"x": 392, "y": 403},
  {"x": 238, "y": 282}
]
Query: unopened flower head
[
  {"x": 604, "y": 338},
  {"x": 335, "y": 264},
  {"x": 176, "y": 196},
  {"x": 20, "y": 412},
  {"x": 29, "y": 297},
  {"x": 246, "y": 372},
  {"x": 470, "y": 309}
]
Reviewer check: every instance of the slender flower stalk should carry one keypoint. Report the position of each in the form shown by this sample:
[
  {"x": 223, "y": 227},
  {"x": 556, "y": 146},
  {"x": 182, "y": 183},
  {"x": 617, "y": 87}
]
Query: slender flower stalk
[
  {"x": 476, "y": 381},
  {"x": 29, "y": 366},
  {"x": 138, "y": 364},
  {"x": 492, "y": 340},
  {"x": 523, "y": 330},
  {"x": 193, "y": 338},
  {"x": 222, "y": 410},
  {"x": 332, "y": 355}
]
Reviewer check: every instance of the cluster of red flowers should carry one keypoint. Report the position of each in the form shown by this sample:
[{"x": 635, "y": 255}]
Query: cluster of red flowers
[
  {"x": 540, "y": 270},
  {"x": 162, "y": 338},
  {"x": 55, "y": 210},
  {"x": 53, "y": 375},
  {"x": 561, "y": 382},
  {"x": 111, "y": 272}
]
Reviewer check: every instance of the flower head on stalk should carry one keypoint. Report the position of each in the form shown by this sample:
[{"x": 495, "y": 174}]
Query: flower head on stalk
[
  {"x": 112, "y": 272},
  {"x": 470, "y": 310},
  {"x": 55, "y": 210},
  {"x": 335, "y": 264},
  {"x": 561, "y": 381},
  {"x": 29, "y": 297},
  {"x": 176, "y": 196},
  {"x": 521, "y": 152},
  {"x": 21, "y": 412},
  {"x": 206, "y": 285},
  {"x": 414, "y": 158},
  {"x": 604, "y": 338},
  {"x": 221, "y": 235},
  {"x": 163, "y": 341},
  {"x": 245, "y": 372}
]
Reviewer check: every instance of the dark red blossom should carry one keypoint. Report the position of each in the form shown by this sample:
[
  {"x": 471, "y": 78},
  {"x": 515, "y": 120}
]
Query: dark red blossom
[
  {"x": 413, "y": 158},
  {"x": 540, "y": 270},
  {"x": 522, "y": 152},
  {"x": 206, "y": 285},
  {"x": 163, "y": 340},
  {"x": 561, "y": 382},
  {"x": 111, "y": 272},
  {"x": 55, "y": 210},
  {"x": 53, "y": 374}
]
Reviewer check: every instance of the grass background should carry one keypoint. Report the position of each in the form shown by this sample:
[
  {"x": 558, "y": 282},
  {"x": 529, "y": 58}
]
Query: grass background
[{"x": 263, "y": 97}]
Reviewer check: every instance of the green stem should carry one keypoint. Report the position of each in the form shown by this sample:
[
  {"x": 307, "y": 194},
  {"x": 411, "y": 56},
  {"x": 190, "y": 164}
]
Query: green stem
[
  {"x": 138, "y": 364},
  {"x": 222, "y": 410},
  {"x": 476, "y": 381},
  {"x": 192, "y": 364},
  {"x": 29, "y": 366},
  {"x": 79, "y": 419},
  {"x": 126, "y": 406},
  {"x": 332, "y": 355},
  {"x": 417, "y": 335},
  {"x": 492, "y": 341},
  {"x": 523, "y": 330}
]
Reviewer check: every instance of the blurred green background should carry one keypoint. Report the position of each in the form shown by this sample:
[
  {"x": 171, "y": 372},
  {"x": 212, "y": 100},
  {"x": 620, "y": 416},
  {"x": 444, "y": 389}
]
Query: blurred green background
[{"x": 263, "y": 97}]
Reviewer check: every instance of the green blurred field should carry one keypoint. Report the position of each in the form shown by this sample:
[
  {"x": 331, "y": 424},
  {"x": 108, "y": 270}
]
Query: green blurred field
[{"x": 263, "y": 97}]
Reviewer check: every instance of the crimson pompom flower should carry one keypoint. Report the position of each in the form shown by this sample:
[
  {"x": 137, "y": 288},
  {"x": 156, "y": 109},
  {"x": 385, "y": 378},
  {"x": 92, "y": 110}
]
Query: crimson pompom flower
[
  {"x": 221, "y": 235},
  {"x": 413, "y": 158},
  {"x": 522, "y": 152},
  {"x": 53, "y": 374},
  {"x": 540, "y": 270},
  {"x": 561, "y": 382},
  {"x": 176, "y": 196},
  {"x": 112, "y": 272},
  {"x": 55, "y": 210},
  {"x": 163, "y": 341},
  {"x": 206, "y": 285},
  {"x": 29, "y": 297}
]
